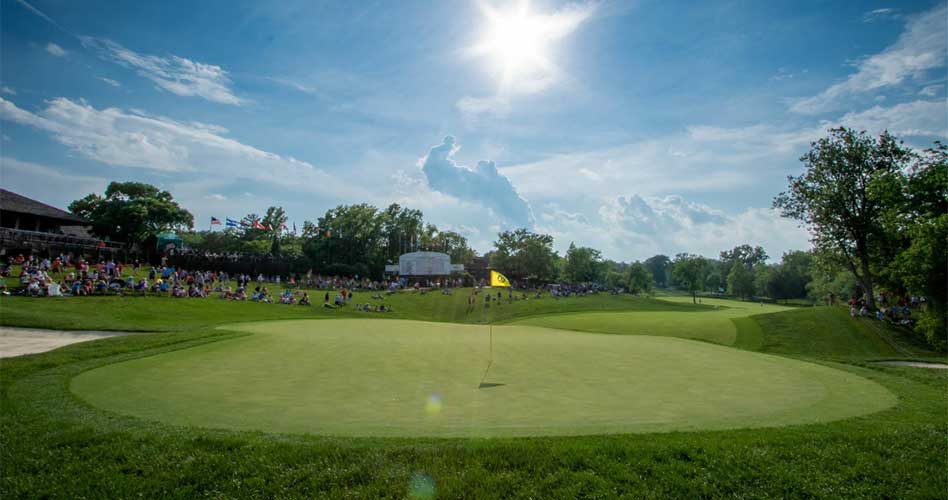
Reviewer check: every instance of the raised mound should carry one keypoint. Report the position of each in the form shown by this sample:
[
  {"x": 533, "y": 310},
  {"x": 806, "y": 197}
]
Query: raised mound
[{"x": 408, "y": 378}]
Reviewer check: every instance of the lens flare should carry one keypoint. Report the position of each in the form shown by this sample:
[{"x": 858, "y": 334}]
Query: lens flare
[
  {"x": 421, "y": 487},
  {"x": 433, "y": 405}
]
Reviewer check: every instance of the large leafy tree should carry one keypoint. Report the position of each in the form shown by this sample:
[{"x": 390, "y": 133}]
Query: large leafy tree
[
  {"x": 522, "y": 254},
  {"x": 132, "y": 212},
  {"x": 740, "y": 281},
  {"x": 659, "y": 266},
  {"x": 688, "y": 271},
  {"x": 922, "y": 266},
  {"x": 639, "y": 278},
  {"x": 840, "y": 197},
  {"x": 743, "y": 254},
  {"x": 583, "y": 264}
]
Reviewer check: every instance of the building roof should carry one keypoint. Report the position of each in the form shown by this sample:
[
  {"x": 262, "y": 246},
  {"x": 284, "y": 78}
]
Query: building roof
[{"x": 12, "y": 202}]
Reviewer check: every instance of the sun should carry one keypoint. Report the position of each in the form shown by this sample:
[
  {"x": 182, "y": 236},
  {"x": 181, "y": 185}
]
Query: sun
[{"x": 517, "y": 40}]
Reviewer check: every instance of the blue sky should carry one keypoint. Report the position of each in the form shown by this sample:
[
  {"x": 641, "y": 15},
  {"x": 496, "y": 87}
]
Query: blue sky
[{"x": 635, "y": 127}]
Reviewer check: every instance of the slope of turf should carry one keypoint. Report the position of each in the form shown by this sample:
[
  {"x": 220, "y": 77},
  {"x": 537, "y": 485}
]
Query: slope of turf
[
  {"x": 134, "y": 313},
  {"x": 711, "y": 322},
  {"x": 829, "y": 332},
  {"x": 408, "y": 378}
]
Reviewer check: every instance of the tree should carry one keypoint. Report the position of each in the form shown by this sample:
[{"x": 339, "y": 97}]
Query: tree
[
  {"x": 616, "y": 280},
  {"x": 639, "y": 278},
  {"x": 132, "y": 212},
  {"x": 745, "y": 254},
  {"x": 740, "y": 281},
  {"x": 522, "y": 254},
  {"x": 659, "y": 266},
  {"x": 688, "y": 270},
  {"x": 922, "y": 266},
  {"x": 274, "y": 223},
  {"x": 837, "y": 197},
  {"x": 583, "y": 264}
]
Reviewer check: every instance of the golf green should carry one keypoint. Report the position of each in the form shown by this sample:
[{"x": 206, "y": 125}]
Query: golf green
[{"x": 375, "y": 377}]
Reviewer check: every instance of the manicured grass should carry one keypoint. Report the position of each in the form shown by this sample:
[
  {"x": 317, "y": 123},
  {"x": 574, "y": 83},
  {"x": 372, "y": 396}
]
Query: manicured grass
[
  {"x": 422, "y": 379},
  {"x": 830, "y": 333},
  {"x": 151, "y": 313},
  {"x": 712, "y": 322},
  {"x": 54, "y": 445}
]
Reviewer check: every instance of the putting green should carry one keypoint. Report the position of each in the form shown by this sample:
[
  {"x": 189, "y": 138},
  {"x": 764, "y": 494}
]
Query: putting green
[{"x": 409, "y": 378}]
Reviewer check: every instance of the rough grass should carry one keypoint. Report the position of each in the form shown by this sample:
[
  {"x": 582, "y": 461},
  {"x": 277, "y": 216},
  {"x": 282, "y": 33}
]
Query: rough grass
[{"x": 55, "y": 446}]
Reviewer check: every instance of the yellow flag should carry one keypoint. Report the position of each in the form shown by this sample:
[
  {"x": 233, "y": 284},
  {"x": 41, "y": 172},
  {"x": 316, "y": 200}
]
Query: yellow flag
[{"x": 497, "y": 279}]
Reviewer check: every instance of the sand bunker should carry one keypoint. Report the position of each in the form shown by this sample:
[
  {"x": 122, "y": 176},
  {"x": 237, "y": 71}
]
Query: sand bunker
[
  {"x": 914, "y": 364},
  {"x": 20, "y": 341}
]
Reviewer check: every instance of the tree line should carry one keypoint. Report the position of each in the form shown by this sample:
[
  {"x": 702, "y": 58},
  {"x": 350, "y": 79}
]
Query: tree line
[{"x": 876, "y": 209}]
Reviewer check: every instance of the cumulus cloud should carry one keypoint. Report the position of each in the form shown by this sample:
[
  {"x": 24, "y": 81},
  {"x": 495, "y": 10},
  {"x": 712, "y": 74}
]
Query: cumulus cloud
[
  {"x": 920, "y": 48},
  {"x": 483, "y": 184},
  {"x": 640, "y": 226},
  {"x": 178, "y": 75},
  {"x": 55, "y": 50}
]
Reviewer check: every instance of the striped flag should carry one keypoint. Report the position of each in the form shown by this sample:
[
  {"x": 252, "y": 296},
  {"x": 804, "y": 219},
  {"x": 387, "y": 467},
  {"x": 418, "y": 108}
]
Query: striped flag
[
  {"x": 257, "y": 225},
  {"x": 215, "y": 221},
  {"x": 232, "y": 223}
]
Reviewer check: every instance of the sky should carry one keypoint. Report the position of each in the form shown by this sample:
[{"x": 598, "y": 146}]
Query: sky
[{"x": 634, "y": 127}]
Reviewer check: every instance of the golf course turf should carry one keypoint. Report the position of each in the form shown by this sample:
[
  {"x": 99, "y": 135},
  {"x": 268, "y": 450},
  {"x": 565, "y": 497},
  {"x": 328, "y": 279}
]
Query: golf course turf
[
  {"x": 424, "y": 379},
  {"x": 249, "y": 400}
]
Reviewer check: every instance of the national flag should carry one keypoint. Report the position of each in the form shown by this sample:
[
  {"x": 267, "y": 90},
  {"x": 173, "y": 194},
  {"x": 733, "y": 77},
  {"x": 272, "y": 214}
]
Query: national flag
[
  {"x": 294, "y": 227},
  {"x": 257, "y": 225},
  {"x": 232, "y": 223},
  {"x": 498, "y": 280},
  {"x": 215, "y": 221}
]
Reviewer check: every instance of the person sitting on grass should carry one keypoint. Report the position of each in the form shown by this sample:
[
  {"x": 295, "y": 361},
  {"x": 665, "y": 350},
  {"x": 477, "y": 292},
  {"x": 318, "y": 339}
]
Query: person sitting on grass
[
  {"x": 33, "y": 288},
  {"x": 304, "y": 300}
]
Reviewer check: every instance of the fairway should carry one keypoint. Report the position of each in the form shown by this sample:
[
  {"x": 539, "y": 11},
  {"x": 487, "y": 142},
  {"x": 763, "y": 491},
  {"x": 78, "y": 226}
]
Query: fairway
[
  {"x": 409, "y": 378},
  {"x": 711, "y": 325}
]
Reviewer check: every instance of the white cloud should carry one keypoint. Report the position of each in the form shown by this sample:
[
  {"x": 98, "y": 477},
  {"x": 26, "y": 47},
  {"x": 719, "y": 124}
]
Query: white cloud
[
  {"x": 930, "y": 90},
  {"x": 293, "y": 84},
  {"x": 7, "y": 90},
  {"x": 110, "y": 81},
  {"x": 920, "y": 48},
  {"x": 482, "y": 184},
  {"x": 216, "y": 197},
  {"x": 880, "y": 15},
  {"x": 916, "y": 118},
  {"x": 178, "y": 75},
  {"x": 132, "y": 139},
  {"x": 638, "y": 227},
  {"x": 55, "y": 50},
  {"x": 47, "y": 184}
]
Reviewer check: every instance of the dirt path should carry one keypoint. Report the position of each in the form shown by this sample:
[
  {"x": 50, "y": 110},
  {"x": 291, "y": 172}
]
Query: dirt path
[
  {"x": 914, "y": 364},
  {"x": 20, "y": 341}
]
